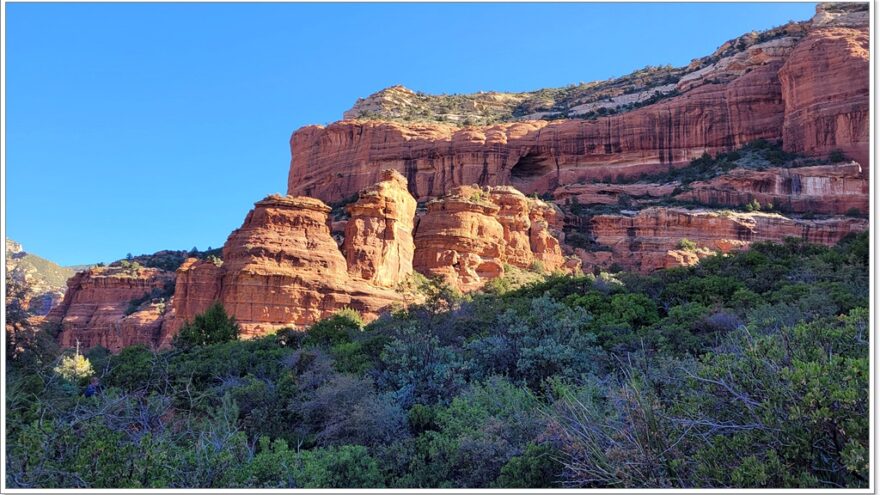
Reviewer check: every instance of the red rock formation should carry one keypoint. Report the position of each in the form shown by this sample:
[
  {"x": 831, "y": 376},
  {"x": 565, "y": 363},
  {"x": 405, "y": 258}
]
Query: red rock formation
[
  {"x": 829, "y": 189},
  {"x": 610, "y": 194},
  {"x": 333, "y": 163},
  {"x": 93, "y": 311},
  {"x": 378, "y": 243},
  {"x": 806, "y": 86},
  {"x": 468, "y": 236},
  {"x": 825, "y": 88},
  {"x": 281, "y": 268},
  {"x": 197, "y": 287},
  {"x": 651, "y": 238}
]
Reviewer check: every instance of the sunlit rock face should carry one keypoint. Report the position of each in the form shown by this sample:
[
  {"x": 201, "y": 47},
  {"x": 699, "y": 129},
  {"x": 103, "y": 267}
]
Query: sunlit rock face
[
  {"x": 467, "y": 236},
  {"x": 805, "y": 84},
  {"x": 96, "y": 308},
  {"x": 651, "y": 239},
  {"x": 829, "y": 189}
]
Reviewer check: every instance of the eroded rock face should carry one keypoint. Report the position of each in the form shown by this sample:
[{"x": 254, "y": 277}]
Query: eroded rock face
[
  {"x": 610, "y": 194},
  {"x": 805, "y": 84},
  {"x": 334, "y": 162},
  {"x": 652, "y": 238},
  {"x": 93, "y": 311},
  {"x": 830, "y": 189},
  {"x": 468, "y": 236},
  {"x": 281, "y": 268},
  {"x": 825, "y": 89},
  {"x": 378, "y": 240}
]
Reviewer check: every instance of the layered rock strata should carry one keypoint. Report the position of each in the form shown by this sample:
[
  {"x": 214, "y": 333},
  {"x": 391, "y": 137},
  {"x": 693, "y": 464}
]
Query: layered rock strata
[
  {"x": 467, "y": 236},
  {"x": 825, "y": 189},
  {"x": 806, "y": 86},
  {"x": 611, "y": 194},
  {"x": 825, "y": 88},
  {"x": 659, "y": 237},
  {"x": 280, "y": 268},
  {"x": 97, "y": 307},
  {"x": 378, "y": 240}
]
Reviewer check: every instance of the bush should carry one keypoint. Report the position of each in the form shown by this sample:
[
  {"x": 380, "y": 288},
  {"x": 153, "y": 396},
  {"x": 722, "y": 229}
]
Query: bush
[
  {"x": 214, "y": 326},
  {"x": 75, "y": 368},
  {"x": 687, "y": 245},
  {"x": 337, "y": 329}
]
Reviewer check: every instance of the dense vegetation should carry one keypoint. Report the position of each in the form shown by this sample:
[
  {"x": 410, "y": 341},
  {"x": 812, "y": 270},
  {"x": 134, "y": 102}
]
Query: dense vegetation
[{"x": 748, "y": 370}]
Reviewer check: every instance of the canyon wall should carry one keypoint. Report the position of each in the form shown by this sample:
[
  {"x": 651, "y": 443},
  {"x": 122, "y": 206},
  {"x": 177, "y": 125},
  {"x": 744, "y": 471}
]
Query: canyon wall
[
  {"x": 830, "y": 189},
  {"x": 290, "y": 264},
  {"x": 658, "y": 237},
  {"x": 467, "y": 236},
  {"x": 97, "y": 308},
  {"x": 825, "y": 88},
  {"x": 806, "y": 86}
]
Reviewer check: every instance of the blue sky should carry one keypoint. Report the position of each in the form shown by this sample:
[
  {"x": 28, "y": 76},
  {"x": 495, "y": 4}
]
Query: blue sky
[{"x": 141, "y": 127}]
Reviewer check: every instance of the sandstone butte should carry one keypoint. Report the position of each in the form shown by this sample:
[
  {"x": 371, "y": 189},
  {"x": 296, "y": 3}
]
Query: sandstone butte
[
  {"x": 289, "y": 264},
  {"x": 283, "y": 268},
  {"x": 807, "y": 88}
]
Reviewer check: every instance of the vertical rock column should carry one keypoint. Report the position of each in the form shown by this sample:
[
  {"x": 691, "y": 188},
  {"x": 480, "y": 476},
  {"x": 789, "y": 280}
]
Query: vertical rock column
[{"x": 378, "y": 244}]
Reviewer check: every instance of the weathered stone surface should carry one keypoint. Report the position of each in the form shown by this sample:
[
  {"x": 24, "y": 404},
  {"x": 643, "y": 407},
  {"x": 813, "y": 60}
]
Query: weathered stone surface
[
  {"x": 805, "y": 84},
  {"x": 647, "y": 240},
  {"x": 610, "y": 194},
  {"x": 281, "y": 268},
  {"x": 829, "y": 189},
  {"x": 468, "y": 236},
  {"x": 825, "y": 89},
  {"x": 334, "y": 162},
  {"x": 378, "y": 245},
  {"x": 93, "y": 311}
]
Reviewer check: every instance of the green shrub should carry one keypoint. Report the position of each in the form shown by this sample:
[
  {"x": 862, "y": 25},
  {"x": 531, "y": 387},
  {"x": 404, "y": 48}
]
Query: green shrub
[
  {"x": 214, "y": 326},
  {"x": 337, "y": 329},
  {"x": 687, "y": 245}
]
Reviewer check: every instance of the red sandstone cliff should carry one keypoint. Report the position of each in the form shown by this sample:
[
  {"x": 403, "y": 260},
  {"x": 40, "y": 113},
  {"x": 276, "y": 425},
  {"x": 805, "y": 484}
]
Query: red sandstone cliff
[
  {"x": 804, "y": 84},
  {"x": 468, "y": 236},
  {"x": 280, "y": 268},
  {"x": 378, "y": 240},
  {"x": 825, "y": 90},
  {"x": 94, "y": 307},
  {"x": 806, "y": 87},
  {"x": 830, "y": 189},
  {"x": 651, "y": 238}
]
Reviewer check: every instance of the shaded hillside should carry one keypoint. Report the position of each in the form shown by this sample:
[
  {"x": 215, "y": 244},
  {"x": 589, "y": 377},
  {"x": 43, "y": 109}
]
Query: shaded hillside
[{"x": 44, "y": 281}]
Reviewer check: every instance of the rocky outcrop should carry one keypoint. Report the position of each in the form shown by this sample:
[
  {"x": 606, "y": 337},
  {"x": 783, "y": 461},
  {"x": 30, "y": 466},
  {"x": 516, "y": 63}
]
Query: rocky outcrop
[
  {"x": 825, "y": 189},
  {"x": 378, "y": 240},
  {"x": 280, "y": 268},
  {"x": 43, "y": 282},
  {"x": 98, "y": 307},
  {"x": 334, "y": 162},
  {"x": 611, "y": 194},
  {"x": 805, "y": 84},
  {"x": 659, "y": 237},
  {"x": 825, "y": 88},
  {"x": 467, "y": 236}
]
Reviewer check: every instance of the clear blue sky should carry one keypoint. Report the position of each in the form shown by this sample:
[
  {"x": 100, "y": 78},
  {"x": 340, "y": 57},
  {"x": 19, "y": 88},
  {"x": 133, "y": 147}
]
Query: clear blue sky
[{"x": 141, "y": 127}]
